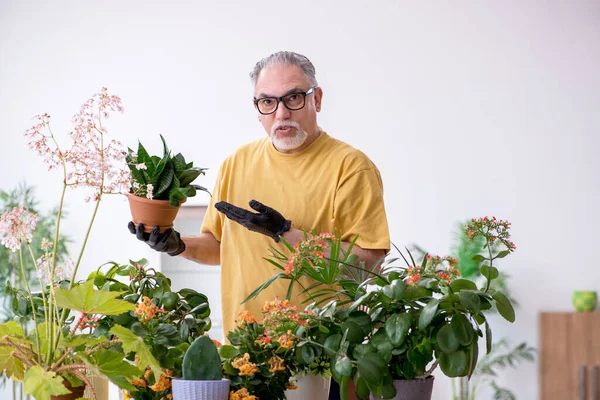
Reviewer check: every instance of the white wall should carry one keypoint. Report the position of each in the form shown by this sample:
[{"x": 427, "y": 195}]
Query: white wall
[{"x": 468, "y": 108}]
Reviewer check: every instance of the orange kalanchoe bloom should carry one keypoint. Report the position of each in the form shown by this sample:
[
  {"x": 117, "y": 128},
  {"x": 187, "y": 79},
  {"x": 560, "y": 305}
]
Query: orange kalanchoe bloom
[
  {"x": 164, "y": 382},
  {"x": 244, "y": 365},
  {"x": 277, "y": 364},
  {"x": 241, "y": 394},
  {"x": 245, "y": 316},
  {"x": 146, "y": 310}
]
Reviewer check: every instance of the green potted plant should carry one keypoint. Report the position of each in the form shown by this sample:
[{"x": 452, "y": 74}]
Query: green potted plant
[
  {"x": 48, "y": 348},
  {"x": 166, "y": 322},
  {"x": 159, "y": 186},
  {"x": 265, "y": 356},
  {"x": 389, "y": 336},
  {"x": 202, "y": 376}
]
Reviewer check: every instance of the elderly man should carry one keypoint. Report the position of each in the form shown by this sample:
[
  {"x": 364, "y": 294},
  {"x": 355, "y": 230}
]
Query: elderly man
[{"x": 297, "y": 178}]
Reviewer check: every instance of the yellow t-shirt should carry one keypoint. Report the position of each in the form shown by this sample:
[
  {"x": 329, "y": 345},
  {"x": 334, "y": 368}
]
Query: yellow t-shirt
[{"x": 329, "y": 185}]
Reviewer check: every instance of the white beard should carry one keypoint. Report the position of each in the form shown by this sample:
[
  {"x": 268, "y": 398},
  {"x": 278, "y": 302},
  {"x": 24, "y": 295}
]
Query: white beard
[{"x": 288, "y": 142}]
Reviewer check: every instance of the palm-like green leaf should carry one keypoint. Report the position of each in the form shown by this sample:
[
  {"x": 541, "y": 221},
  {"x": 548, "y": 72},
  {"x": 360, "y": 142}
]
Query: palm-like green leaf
[{"x": 85, "y": 299}]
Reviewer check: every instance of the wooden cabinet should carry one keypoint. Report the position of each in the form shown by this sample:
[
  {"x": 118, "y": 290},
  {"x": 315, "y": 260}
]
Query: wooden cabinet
[{"x": 570, "y": 356}]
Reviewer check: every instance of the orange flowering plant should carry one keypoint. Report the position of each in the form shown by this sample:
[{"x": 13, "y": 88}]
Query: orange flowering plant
[
  {"x": 264, "y": 355},
  {"x": 163, "y": 323},
  {"x": 394, "y": 323}
]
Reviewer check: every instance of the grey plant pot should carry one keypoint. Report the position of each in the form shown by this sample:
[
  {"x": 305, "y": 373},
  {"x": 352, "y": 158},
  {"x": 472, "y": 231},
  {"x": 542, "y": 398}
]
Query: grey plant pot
[
  {"x": 200, "y": 390},
  {"x": 415, "y": 389}
]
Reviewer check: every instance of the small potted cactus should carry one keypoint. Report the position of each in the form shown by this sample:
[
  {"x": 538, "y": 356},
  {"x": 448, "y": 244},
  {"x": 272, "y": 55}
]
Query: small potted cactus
[{"x": 202, "y": 375}]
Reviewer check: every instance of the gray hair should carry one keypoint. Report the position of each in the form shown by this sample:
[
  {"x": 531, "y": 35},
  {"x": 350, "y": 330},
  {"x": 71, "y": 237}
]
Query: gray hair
[{"x": 286, "y": 58}]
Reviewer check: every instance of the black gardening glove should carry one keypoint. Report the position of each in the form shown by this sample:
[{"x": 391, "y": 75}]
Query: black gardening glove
[
  {"x": 267, "y": 221},
  {"x": 167, "y": 242}
]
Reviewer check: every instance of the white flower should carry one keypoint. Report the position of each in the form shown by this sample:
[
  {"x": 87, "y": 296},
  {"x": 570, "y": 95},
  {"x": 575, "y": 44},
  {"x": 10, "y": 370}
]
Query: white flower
[
  {"x": 149, "y": 189},
  {"x": 140, "y": 166}
]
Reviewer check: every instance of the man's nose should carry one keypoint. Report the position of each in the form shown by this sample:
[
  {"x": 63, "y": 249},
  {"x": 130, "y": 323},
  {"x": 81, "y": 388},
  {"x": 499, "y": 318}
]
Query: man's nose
[{"x": 282, "y": 112}]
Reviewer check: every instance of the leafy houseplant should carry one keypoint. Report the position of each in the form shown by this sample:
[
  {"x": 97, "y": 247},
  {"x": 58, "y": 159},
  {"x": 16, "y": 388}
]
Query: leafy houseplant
[
  {"x": 414, "y": 319},
  {"x": 264, "y": 355},
  {"x": 202, "y": 376},
  {"x": 47, "y": 348},
  {"x": 160, "y": 185},
  {"x": 164, "y": 322},
  {"x": 502, "y": 355}
]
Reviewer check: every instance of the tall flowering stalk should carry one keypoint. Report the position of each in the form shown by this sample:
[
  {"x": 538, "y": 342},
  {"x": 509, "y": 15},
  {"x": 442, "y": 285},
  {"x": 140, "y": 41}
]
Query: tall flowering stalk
[
  {"x": 98, "y": 164},
  {"x": 92, "y": 162},
  {"x": 496, "y": 234}
]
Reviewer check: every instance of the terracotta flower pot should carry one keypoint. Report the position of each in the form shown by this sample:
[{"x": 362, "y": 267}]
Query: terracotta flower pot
[
  {"x": 76, "y": 392},
  {"x": 415, "y": 389},
  {"x": 152, "y": 212}
]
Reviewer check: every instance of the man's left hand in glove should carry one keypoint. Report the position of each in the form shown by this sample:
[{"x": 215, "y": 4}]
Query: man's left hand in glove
[{"x": 267, "y": 221}]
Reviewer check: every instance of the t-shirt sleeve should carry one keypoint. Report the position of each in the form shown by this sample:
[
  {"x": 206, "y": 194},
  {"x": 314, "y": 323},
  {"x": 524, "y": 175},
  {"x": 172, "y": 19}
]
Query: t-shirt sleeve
[
  {"x": 213, "y": 219},
  {"x": 359, "y": 210}
]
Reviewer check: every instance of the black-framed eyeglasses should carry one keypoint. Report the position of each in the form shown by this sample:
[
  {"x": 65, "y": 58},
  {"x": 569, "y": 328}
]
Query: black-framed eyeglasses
[{"x": 292, "y": 101}]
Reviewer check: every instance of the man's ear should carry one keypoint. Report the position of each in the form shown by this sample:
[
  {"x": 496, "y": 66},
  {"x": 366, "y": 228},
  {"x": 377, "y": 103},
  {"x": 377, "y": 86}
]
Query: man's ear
[{"x": 318, "y": 98}]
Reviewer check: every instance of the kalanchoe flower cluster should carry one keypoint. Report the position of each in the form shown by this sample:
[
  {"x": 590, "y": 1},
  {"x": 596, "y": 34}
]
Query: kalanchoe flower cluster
[
  {"x": 93, "y": 161},
  {"x": 492, "y": 230},
  {"x": 309, "y": 251},
  {"x": 146, "y": 310},
  {"x": 16, "y": 226},
  {"x": 434, "y": 267},
  {"x": 267, "y": 348}
]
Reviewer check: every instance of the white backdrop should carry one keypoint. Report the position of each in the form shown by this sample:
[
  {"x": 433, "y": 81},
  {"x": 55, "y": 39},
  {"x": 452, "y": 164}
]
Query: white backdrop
[{"x": 468, "y": 108}]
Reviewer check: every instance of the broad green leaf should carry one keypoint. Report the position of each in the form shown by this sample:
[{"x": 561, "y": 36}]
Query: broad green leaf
[
  {"x": 504, "y": 307},
  {"x": 114, "y": 366},
  {"x": 502, "y": 254},
  {"x": 363, "y": 320},
  {"x": 470, "y": 300},
  {"x": 362, "y": 391},
  {"x": 343, "y": 366},
  {"x": 473, "y": 355},
  {"x": 228, "y": 351},
  {"x": 447, "y": 340},
  {"x": 395, "y": 290},
  {"x": 332, "y": 344},
  {"x": 85, "y": 299},
  {"x": 397, "y": 326},
  {"x": 11, "y": 366},
  {"x": 460, "y": 284},
  {"x": 133, "y": 343},
  {"x": 463, "y": 330},
  {"x": 372, "y": 368},
  {"x": 489, "y": 272},
  {"x": 454, "y": 364},
  {"x": 12, "y": 329},
  {"x": 414, "y": 292},
  {"x": 353, "y": 332},
  {"x": 308, "y": 354},
  {"x": 478, "y": 258},
  {"x": 80, "y": 340},
  {"x": 428, "y": 313},
  {"x": 43, "y": 384}
]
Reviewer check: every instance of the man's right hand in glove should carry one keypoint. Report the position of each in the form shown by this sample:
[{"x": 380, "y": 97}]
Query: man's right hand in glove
[{"x": 168, "y": 241}]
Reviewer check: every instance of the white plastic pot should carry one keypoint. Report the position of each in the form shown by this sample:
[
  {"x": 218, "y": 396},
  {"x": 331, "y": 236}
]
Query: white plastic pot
[{"x": 200, "y": 390}]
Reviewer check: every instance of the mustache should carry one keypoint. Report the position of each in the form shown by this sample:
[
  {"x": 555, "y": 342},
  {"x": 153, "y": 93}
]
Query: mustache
[{"x": 281, "y": 124}]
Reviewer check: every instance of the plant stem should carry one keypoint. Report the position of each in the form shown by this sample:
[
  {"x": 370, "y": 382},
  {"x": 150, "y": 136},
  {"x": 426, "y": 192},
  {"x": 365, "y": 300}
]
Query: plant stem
[
  {"x": 44, "y": 300},
  {"x": 489, "y": 247},
  {"x": 54, "y": 253},
  {"x": 39, "y": 346}
]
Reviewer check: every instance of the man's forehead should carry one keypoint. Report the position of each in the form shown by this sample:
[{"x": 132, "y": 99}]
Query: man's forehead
[{"x": 277, "y": 80}]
